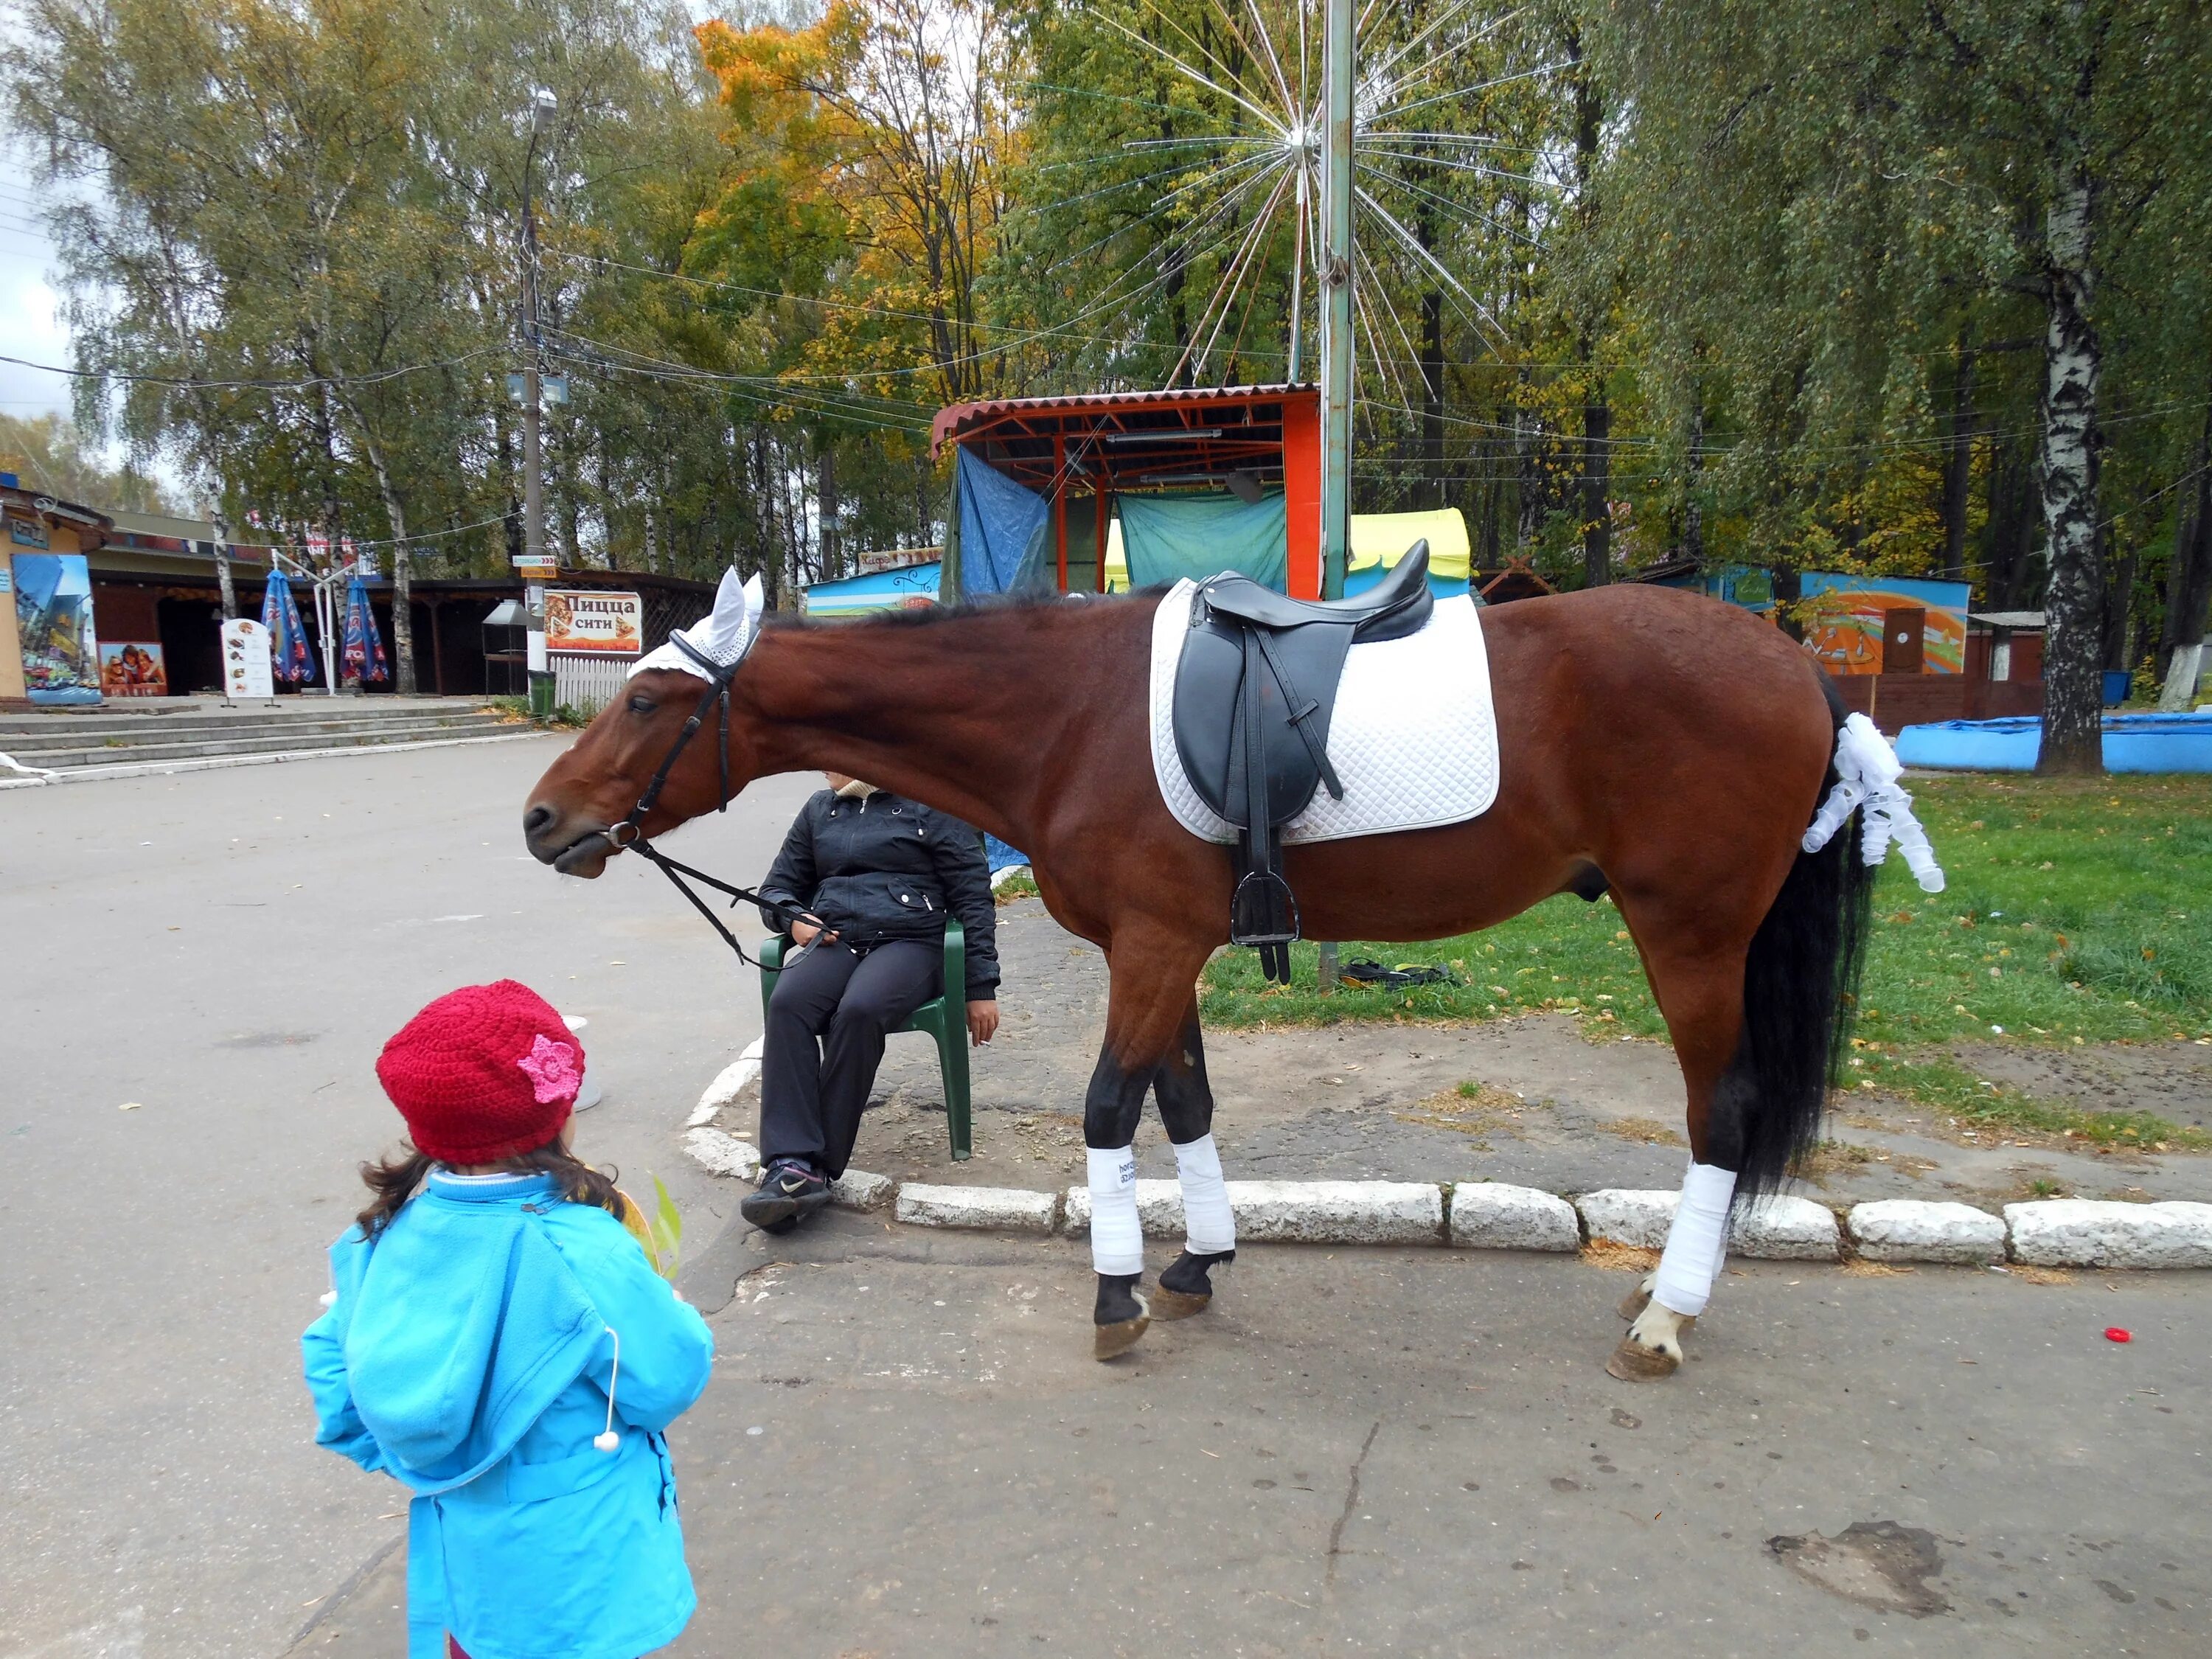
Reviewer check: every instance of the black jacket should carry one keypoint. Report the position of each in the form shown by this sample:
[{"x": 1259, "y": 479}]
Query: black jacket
[{"x": 886, "y": 867}]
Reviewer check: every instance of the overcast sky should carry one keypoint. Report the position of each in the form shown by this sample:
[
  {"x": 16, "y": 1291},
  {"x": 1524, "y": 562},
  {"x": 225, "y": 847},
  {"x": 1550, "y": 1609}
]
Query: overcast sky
[{"x": 29, "y": 323}]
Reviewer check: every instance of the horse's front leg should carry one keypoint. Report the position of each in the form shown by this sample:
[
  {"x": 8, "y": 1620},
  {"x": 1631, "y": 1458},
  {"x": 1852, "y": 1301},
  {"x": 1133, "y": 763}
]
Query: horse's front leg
[
  {"x": 1209, "y": 1226},
  {"x": 1152, "y": 971}
]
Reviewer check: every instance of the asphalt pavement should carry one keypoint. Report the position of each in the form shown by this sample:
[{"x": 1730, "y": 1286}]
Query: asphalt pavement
[
  {"x": 225, "y": 952},
  {"x": 907, "y": 1449},
  {"x": 907, "y": 1446}
]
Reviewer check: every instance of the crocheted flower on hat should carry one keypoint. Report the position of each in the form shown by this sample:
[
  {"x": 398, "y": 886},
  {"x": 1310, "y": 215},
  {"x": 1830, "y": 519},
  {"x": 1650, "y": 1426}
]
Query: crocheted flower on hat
[{"x": 552, "y": 1069}]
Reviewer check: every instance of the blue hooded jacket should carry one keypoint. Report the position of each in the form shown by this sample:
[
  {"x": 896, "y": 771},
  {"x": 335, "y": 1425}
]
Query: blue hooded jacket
[{"x": 470, "y": 1352}]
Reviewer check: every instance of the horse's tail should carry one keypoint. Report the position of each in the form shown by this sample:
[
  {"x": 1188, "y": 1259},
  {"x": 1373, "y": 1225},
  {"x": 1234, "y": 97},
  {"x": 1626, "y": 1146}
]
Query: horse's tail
[{"x": 1800, "y": 994}]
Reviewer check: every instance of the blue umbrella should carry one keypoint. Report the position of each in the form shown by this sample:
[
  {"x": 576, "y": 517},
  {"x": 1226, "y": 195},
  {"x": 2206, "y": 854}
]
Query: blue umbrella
[
  {"x": 289, "y": 658},
  {"x": 363, "y": 657}
]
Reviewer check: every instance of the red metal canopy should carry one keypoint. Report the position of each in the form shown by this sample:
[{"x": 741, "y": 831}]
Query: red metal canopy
[{"x": 1116, "y": 442}]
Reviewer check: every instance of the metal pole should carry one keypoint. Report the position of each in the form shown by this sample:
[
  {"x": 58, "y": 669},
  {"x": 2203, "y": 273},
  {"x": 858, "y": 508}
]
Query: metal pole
[
  {"x": 534, "y": 484},
  {"x": 1335, "y": 275}
]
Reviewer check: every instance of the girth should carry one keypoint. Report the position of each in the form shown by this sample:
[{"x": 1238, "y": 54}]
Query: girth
[{"x": 1255, "y": 692}]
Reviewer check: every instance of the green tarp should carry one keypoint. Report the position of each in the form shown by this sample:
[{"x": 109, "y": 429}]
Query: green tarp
[{"x": 1165, "y": 537}]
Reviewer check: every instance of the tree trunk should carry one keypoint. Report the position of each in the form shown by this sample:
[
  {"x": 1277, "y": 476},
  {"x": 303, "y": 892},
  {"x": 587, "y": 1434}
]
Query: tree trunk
[
  {"x": 221, "y": 525},
  {"x": 1432, "y": 394},
  {"x": 402, "y": 617},
  {"x": 1597, "y": 469},
  {"x": 1959, "y": 457},
  {"x": 2009, "y": 534},
  {"x": 1693, "y": 512},
  {"x": 2073, "y": 693},
  {"x": 2120, "y": 650},
  {"x": 2189, "y": 583},
  {"x": 826, "y": 507}
]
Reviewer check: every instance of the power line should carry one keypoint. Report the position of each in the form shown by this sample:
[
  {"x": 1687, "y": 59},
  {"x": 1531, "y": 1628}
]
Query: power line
[{"x": 374, "y": 378}]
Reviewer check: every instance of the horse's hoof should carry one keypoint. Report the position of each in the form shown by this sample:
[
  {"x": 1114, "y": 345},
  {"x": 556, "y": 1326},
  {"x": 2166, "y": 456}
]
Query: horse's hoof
[
  {"x": 1177, "y": 1304},
  {"x": 1632, "y": 1362},
  {"x": 1111, "y": 1342},
  {"x": 1633, "y": 1304}
]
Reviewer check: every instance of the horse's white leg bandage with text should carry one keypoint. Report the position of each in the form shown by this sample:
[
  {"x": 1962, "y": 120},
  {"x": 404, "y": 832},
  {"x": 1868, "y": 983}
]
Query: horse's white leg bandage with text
[
  {"x": 1208, "y": 1220},
  {"x": 1697, "y": 1241},
  {"x": 1117, "y": 1238}
]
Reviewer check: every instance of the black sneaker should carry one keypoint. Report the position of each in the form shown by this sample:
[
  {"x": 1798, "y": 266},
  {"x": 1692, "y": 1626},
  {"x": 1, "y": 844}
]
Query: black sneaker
[{"x": 789, "y": 1192}]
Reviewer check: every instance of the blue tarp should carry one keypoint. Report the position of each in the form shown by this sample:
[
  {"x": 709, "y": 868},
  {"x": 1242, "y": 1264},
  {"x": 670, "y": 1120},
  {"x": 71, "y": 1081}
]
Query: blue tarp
[
  {"x": 1001, "y": 856},
  {"x": 999, "y": 518},
  {"x": 1165, "y": 537}
]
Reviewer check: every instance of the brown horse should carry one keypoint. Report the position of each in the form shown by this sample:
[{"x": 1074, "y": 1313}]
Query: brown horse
[{"x": 1664, "y": 747}]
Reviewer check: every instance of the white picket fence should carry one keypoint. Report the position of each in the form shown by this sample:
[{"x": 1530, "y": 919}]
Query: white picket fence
[{"x": 585, "y": 681}]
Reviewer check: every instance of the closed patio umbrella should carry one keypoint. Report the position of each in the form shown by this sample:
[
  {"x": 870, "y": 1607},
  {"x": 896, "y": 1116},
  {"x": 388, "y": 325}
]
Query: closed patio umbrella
[{"x": 290, "y": 658}]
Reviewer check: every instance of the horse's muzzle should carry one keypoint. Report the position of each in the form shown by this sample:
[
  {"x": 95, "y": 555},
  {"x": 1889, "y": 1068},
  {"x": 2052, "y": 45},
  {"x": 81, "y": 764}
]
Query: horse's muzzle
[{"x": 571, "y": 848}]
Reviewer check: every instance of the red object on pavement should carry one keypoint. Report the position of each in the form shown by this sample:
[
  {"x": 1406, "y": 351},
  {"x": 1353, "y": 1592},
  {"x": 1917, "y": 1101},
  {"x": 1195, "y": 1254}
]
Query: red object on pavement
[{"x": 2114, "y": 1333}]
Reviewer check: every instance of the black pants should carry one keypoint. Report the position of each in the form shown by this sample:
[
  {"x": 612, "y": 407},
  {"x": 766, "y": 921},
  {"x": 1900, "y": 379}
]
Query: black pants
[{"x": 811, "y": 1097}]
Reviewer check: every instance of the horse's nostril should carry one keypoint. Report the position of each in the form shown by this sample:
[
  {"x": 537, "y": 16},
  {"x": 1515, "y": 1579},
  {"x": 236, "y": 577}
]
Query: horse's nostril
[{"x": 538, "y": 819}]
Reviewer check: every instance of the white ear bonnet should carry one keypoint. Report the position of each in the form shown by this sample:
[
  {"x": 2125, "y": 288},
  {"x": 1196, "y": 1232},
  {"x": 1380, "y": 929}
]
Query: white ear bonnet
[{"x": 723, "y": 635}]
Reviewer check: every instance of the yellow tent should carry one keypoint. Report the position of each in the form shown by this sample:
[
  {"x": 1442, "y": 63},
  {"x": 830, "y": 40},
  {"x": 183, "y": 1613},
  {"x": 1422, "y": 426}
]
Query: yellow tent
[{"x": 1377, "y": 539}]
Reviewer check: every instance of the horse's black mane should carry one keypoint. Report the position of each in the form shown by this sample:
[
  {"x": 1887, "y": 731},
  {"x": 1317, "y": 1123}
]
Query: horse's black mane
[{"x": 934, "y": 614}]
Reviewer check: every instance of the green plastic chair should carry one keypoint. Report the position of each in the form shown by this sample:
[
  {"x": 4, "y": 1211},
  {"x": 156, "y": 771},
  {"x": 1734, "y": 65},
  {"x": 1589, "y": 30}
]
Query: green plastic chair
[{"x": 943, "y": 1017}]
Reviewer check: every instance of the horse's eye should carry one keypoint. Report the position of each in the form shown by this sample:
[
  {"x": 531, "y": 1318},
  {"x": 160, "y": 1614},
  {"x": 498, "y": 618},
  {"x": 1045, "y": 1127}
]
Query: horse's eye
[{"x": 643, "y": 705}]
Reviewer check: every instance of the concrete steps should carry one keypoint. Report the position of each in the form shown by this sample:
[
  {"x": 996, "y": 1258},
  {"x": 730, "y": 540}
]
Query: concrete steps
[{"x": 65, "y": 742}]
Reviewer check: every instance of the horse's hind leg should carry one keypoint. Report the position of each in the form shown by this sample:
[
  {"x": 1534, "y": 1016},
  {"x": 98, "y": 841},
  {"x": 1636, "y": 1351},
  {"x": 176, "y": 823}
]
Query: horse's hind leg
[
  {"x": 1702, "y": 998},
  {"x": 1210, "y": 1228},
  {"x": 1152, "y": 972}
]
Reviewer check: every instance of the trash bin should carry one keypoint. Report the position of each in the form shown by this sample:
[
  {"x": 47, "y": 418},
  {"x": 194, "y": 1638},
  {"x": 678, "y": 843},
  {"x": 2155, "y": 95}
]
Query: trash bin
[
  {"x": 541, "y": 694},
  {"x": 2117, "y": 680}
]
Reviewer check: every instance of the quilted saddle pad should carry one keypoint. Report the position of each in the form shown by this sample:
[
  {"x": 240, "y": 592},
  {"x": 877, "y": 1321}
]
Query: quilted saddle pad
[{"x": 1414, "y": 738}]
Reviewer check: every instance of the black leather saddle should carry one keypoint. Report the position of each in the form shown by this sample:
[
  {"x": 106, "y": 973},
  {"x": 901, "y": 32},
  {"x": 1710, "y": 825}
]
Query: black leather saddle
[{"x": 1255, "y": 691}]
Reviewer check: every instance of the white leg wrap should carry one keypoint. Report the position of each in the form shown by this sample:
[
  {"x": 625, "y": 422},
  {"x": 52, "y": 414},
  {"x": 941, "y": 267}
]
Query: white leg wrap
[
  {"x": 1207, "y": 1217},
  {"x": 1117, "y": 1238},
  {"x": 1696, "y": 1243}
]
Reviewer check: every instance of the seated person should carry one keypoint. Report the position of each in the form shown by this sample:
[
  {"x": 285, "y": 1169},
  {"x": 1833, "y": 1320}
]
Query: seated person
[{"x": 865, "y": 881}]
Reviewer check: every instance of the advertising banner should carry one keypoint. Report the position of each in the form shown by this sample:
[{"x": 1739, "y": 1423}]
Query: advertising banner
[
  {"x": 246, "y": 663},
  {"x": 54, "y": 620},
  {"x": 594, "y": 621},
  {"x": 133, "y": 668}
]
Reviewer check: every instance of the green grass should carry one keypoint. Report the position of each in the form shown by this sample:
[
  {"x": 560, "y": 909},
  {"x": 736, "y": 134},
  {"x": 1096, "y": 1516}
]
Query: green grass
[{"x": 2077, "y": 911}]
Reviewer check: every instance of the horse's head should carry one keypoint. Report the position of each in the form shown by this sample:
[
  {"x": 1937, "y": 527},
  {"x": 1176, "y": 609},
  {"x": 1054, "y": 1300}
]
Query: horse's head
[
  {"x": 592, "y": 786},
  {"x": 570, "y": 820}
]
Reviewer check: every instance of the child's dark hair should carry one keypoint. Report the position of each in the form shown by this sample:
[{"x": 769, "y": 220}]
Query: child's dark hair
[{"x": 395, "y": 1180}]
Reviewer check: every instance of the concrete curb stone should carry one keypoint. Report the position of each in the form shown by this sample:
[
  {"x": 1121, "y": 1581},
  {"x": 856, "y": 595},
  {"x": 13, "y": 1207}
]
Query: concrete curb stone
[
  {"x": 730, "y": 1083},
  {"x": 722, "y": 1154},
  {"x": 1291, "y": 1211},
  {"x": 1777, "y": 1228},
  {"x": 859, "y": 1189},
  {"x": 1490, "y": 1215},
  {"x": 1495, "y": 1215},
  {"x": 1622, "y": 1215},
  {"x": 2080, "y": 1232},
  {"x": 1915, "y": 1229},
  {"x": 996, "y": 1209},
  {"x": 1781, "y": 1227}
]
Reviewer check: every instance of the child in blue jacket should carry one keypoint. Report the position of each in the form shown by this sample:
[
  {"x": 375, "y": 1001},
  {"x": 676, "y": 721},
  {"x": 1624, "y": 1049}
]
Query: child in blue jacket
[{"x": 497, "y": 1340}]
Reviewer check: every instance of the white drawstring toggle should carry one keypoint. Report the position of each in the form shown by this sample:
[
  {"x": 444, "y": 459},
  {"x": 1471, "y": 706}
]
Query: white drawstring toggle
[{"x": 610, "y": 1440}]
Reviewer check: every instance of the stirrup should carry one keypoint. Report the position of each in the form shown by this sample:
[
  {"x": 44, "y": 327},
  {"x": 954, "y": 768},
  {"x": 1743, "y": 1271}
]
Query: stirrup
[{"x": 1262, "y": 911}]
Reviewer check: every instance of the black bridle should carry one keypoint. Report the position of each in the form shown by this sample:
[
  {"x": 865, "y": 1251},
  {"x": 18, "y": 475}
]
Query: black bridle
[{"x": 719, "y": 675}]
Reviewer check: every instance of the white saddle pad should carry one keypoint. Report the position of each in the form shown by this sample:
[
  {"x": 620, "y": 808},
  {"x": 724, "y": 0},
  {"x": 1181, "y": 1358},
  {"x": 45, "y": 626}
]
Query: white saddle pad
[{"x": 1413, "y": 740}]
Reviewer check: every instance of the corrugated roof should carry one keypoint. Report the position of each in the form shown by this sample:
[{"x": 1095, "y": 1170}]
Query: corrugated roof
[{"x": 959, "y": 419}]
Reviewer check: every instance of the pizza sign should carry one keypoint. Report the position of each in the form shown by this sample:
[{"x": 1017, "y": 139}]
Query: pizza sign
[{"x": 593, "y": 621}]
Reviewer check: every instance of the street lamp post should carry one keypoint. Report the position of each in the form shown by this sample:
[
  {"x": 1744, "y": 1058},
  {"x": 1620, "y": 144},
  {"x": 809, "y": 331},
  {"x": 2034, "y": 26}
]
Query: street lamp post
[{"x": 541, "y": 111}]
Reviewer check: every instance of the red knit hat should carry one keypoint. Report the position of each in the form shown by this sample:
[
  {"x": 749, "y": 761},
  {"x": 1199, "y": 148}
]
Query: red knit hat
[{"x": 483, "y": 1074}]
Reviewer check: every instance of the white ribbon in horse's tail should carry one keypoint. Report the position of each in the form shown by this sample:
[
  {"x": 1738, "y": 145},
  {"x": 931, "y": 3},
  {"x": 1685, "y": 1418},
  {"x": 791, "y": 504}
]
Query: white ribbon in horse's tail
[{"x": 1867, "y": 771}]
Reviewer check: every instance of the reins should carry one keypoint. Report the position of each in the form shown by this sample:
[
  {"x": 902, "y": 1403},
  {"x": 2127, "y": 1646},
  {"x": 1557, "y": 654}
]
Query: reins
[{"x": 719, "y": 675}]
